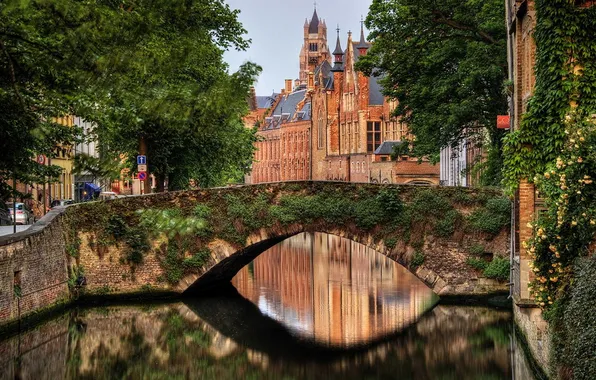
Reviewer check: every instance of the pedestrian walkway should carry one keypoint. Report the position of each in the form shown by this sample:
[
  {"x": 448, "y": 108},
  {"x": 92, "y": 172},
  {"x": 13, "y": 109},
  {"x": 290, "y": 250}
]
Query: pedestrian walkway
[{"x": 7, "y": 230}]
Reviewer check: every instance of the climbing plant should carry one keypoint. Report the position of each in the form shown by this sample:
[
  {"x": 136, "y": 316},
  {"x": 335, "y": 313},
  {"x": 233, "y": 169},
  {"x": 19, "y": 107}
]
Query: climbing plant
[
  {"x": 555, "y": 144},
  {"x": 555, "y": 148}
]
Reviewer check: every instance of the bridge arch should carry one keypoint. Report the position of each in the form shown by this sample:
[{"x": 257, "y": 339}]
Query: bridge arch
[{"x": 227, "y": 260}]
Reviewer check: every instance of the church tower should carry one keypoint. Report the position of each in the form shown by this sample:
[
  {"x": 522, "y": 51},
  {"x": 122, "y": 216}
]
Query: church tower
[{"x": 315, "y": 49}]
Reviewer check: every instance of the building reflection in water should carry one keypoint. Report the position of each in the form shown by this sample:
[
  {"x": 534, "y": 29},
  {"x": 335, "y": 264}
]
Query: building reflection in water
[{"x": 333, "y": 290}]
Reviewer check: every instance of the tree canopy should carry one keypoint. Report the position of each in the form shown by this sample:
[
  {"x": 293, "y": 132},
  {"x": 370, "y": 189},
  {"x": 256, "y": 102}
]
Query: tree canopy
[
  {"x": 146, "y": 69},
  {"x": 446, "y": 64}
]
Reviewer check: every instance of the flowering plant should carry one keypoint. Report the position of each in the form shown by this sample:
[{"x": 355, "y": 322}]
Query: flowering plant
[{"x": 567, "y": 229}]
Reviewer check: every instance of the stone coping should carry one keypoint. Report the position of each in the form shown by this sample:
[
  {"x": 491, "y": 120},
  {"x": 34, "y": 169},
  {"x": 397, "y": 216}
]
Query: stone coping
[
  {"x": 35, "y": 229},
  {"x": 47, "y": 219}
]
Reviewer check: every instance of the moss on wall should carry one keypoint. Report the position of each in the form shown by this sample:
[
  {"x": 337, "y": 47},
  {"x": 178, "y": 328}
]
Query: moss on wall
[{"x": 184, "y": 223}]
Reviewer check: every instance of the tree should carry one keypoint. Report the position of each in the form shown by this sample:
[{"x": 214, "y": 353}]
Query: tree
[
  {"x": 132, "y": 67},
  {"x": 445, "y": 62}
]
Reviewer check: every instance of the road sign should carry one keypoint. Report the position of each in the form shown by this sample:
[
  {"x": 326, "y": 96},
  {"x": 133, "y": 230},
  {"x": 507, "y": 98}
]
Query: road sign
[
  {"x": 141, "y": 160},
  {"x": 41, "y": 159},
  {"x": 142, "y": 168},
  {"x": 142, "y": 176}
]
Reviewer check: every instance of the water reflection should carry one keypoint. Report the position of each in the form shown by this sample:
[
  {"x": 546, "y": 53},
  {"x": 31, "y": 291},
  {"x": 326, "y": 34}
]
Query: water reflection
[
  {"x": 314, "y": 307},
  {"x": 212, "y": 338},
  {"x": 333, "y": 290}
]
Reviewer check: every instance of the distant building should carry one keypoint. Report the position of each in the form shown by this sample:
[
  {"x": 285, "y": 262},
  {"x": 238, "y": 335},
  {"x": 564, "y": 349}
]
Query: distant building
[{"x": 329, "y": 123}]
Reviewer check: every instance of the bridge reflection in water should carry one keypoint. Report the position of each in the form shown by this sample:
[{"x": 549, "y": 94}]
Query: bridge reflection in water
[
  {"x": 333, "y": 290},
  {"x": 315, "y": 307}
]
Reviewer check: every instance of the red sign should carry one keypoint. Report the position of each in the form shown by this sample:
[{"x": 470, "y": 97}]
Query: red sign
[
  {"x": 142, "y": 176},
  {"x": 503, "y": 122},
  {"x": 41, "y": 159}
]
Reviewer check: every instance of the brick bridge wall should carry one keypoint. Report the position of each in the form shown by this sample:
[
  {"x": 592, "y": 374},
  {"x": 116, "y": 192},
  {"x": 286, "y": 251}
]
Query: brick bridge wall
[
  {"x": 79, "y": 238},
  {"x": 35, "y": 261}
]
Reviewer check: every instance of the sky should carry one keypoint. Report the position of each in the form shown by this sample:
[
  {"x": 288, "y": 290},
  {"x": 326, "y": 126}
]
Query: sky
[{"x": 276, "y": 30}]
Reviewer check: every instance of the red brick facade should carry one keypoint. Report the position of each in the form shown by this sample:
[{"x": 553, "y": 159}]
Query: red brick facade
[{"x": 331, "y": 124}]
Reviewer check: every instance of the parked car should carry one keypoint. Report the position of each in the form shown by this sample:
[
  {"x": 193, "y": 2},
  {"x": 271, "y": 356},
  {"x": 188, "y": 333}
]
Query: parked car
[
  {"x": 23, "y": 214},
  {"x": 5, "y": 218},
  {"x": 106, "y": 195},
  {"x": 61, "y": 202}
]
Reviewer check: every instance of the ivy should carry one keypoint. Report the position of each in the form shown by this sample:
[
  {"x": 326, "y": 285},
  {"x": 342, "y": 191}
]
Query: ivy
[{"x": 555, "y": 148}]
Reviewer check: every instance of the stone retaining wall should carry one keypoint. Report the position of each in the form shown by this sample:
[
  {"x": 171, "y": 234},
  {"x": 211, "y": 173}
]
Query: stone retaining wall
[{"x": 33, "y": 269}]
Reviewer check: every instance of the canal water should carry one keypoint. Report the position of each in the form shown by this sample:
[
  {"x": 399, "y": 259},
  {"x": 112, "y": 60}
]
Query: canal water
[{"x": 316, "y": 306}]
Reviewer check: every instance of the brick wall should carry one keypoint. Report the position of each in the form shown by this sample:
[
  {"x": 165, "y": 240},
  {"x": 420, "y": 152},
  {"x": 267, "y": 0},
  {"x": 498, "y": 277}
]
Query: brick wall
[{"x": 36, "y": 258}]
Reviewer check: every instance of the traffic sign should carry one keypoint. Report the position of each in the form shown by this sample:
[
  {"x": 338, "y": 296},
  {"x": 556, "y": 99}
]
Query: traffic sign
[
  {"x": 142, "y": 168},
  {"x": 142, "y": 176},
  {"x": 141, "y": 160},
  {"x": 41, "y": 159}
]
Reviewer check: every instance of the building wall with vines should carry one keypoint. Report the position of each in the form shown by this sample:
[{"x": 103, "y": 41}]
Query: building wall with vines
[{"x": 550, "y": 164}]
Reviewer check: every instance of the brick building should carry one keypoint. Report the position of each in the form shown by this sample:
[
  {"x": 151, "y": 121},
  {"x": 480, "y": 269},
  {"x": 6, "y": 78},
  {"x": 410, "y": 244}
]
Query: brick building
[
  {"x": 332, "y": 123},
  {"x": 521, "y": 21}
]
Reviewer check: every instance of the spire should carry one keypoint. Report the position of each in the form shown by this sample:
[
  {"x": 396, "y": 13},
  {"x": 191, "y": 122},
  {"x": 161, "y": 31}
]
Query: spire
[
  {"x": 339, "y": 54},
  {"x": 306, "y": 23},
  {"x": 362, "y": 44},
  {"x": 314, "y": 22}
]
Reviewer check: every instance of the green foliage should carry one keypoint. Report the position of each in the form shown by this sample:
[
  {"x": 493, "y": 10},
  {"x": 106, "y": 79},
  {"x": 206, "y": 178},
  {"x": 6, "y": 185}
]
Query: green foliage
[
  {"x": 498, "y": 269},
  {"x": 477, "y": 249},
  {"x": 573, "y": 320},
  {"x": 492, "y": 218},
  {"x": 136, "y": 238},
  {"x": 477, "y": 263},
  {"x": 564, "y": 36},
  {"x": 445, "y": 227},
  {"x": 151, "y": 70},
  {"x": 170, "y": 222},
  {"x": 429, "y": 203},
  {"x": 417, "y": 259},
  {"x": 445, "y": 63},
  {"x": 390, "y": 242}
]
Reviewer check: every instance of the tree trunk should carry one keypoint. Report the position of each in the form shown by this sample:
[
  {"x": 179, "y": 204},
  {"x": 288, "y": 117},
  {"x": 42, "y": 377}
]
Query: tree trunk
[{"x": 160, "y": 178}]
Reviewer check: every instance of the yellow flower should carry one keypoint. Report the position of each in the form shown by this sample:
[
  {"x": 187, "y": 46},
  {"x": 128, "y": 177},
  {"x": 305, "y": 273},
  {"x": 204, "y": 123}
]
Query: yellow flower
[
  {"x": 573, "y": 223},
  {"x": 554, "y": 279},
  {"x": 547, "y": 175},
  {"x": 580, "y": 160},
  {"x": 592, "y": 221}
]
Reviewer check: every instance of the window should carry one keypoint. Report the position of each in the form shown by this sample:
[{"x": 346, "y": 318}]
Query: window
[
  {"x": 313, "y": 47},
  {"x": 373, "y": 136}
]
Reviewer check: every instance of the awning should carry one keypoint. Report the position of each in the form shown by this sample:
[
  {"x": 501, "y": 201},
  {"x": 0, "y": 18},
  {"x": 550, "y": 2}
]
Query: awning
[{"x": 92, "y": 188}]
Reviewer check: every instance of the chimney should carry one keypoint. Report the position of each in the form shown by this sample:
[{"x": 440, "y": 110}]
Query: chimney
[{"x": 288, "y": 88}]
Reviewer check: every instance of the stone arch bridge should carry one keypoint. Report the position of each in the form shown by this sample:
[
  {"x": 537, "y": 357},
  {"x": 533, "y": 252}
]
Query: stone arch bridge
[{"x": 187, "y": 241}]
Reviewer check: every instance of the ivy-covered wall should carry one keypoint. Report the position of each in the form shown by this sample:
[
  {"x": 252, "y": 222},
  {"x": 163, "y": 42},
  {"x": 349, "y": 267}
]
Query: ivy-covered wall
[
  {"x": 555, "y": 149},
  {"x": 456, "y": 240}
]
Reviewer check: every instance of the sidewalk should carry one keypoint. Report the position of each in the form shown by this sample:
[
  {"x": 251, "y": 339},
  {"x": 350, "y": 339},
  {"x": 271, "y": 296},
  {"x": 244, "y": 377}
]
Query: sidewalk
[{"x": 7, "y": 230}]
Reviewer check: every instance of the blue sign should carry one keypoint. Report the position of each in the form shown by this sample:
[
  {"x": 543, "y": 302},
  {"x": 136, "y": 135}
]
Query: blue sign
[
  {"x": 141, "y": 160},
  {"x": 142, "y": 176}
]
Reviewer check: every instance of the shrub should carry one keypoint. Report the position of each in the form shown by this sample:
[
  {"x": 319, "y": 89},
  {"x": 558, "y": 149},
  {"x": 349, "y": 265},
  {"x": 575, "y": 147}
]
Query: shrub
[
  {"x": 498, "y": 269},
  {"x": 429, "y": 203},
  {"x": 477, "y": 263},
  {"x": 446, "y": 226},
  {"x": 493, "y": 217}
]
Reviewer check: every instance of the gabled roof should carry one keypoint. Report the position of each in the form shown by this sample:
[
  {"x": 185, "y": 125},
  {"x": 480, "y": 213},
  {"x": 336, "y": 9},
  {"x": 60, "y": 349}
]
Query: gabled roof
[
  {"x": 289, "y": 103},
  {"x": 387, "y": 147}
]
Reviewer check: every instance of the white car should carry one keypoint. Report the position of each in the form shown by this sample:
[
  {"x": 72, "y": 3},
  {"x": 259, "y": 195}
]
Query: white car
[{"x": 23, "y": 214}]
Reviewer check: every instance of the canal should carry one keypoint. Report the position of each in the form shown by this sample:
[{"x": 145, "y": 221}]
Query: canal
[{"x": 315, "y": 306}]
